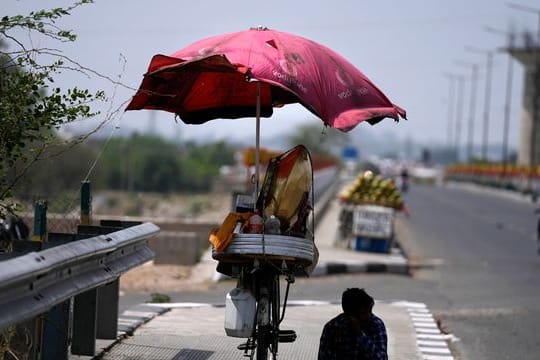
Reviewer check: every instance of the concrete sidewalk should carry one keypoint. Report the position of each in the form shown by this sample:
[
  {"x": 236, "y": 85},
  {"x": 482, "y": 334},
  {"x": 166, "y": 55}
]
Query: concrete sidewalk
[{"x": 195, "y": 331}]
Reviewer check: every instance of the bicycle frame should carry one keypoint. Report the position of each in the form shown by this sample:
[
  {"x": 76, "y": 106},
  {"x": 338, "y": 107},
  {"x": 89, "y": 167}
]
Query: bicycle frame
[{"x": 263, "y": 279}]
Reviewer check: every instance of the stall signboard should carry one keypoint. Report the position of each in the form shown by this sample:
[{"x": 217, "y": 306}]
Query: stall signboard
[{"x": 373, "y": 221}]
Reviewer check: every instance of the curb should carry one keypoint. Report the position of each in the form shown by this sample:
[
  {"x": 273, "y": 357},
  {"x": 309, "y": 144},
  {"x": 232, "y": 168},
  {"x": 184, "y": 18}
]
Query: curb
[
  {"x": 336, "y": 267},
  {"x": 502, "y": 193}
]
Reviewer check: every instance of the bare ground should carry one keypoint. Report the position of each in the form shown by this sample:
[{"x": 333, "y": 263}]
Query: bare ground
[
  {"x": 173, "y": 278},
  {"x": 152, "y": 278}
]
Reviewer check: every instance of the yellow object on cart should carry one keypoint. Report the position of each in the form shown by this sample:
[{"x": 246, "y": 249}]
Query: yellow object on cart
[{"x": 221, "y": 238}]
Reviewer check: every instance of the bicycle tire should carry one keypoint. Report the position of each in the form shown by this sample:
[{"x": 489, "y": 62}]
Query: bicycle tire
[{"x": 263, "y": 342}]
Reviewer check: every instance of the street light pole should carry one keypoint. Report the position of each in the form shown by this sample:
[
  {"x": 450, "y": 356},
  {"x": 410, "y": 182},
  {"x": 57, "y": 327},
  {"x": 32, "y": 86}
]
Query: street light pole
[
  {"x": 507, "y": 115},
  {"x": 487, "y": 98},
  {"x": 472, "y": 110},
  {"x": 509, "y": 75},
  {"x": 451, "y": 91},
  {"x": 459, "y": 114},
  {"x": 472, "y": 107}
]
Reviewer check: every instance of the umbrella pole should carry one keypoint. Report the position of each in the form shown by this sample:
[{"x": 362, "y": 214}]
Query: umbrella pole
[{"x": 257, "y": 142}]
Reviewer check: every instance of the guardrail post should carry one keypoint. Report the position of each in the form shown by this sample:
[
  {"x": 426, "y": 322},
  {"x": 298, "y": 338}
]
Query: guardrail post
[
  {"x": 107, "y": 323},
  {"x": 84, "y": 323},
  {"x": 56, "y": 322},
  {"x": 107, "y": 295},
  {"x": 55, "y": 339}
]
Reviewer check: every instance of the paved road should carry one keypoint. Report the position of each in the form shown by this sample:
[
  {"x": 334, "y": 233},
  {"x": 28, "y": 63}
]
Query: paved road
[{"x": 485, "y": 275}]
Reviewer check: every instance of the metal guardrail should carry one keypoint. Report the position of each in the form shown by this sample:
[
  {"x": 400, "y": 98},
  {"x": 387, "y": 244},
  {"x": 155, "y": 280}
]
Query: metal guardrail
[
  {"x": 32, "y": 284},
  {"x": 323, "y": 181}
]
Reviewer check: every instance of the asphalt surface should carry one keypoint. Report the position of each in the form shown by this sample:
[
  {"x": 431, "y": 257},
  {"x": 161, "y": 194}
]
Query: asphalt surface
[{"x": 484, "y": 273}]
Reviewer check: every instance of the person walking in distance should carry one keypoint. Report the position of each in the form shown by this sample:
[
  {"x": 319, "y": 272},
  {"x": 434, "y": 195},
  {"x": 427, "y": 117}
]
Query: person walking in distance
[{"x": 356, "y": 333}]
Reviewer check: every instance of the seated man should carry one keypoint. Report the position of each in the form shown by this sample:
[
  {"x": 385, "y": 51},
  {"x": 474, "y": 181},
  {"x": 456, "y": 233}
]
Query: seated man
[{"x": 355, "y": 334}]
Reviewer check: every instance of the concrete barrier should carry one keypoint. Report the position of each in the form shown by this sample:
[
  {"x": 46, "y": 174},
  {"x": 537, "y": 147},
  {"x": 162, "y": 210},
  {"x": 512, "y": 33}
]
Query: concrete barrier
[{"x": 176, "y": 248}]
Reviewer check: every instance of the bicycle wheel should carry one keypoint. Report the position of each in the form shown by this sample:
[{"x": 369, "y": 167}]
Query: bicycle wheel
[
  {"x": 267, "y": 313},
  {"x": 263, "y": 342}
]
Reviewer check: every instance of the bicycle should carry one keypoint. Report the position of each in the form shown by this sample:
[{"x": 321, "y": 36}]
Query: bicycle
[
  {"x": 257, "y": 313},
  {"x": 261, "y": 256},
  {"x": 263, "y": 278}
]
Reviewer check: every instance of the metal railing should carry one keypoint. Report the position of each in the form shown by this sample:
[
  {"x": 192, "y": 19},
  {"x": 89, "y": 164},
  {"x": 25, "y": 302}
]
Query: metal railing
[{"x": 86, "y": 270}]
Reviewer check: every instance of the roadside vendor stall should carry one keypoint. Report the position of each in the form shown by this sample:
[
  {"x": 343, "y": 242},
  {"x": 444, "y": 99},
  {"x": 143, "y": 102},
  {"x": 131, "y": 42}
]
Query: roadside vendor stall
[
  {"x": 368, "y": 207},
  {"x": 260, "y": 242},
  {"x": 275, "y": 227}
]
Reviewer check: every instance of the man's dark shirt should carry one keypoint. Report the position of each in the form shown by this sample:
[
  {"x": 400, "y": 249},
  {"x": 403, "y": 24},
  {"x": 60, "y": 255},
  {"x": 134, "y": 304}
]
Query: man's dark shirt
[{"x": 338, "y": 341}]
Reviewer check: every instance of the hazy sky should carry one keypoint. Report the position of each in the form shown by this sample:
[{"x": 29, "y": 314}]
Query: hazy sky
[{"x": 403, "y": 46}]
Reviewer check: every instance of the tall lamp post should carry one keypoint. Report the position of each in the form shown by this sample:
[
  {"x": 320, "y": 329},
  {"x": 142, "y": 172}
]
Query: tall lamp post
[
  {"x": 487, "y": 97},
  {"x": 472, "y": 106},
  {"x": 451, "y": 91},
  {"x": 509, "y": 75},
  {"x": 459, "y": 113}
]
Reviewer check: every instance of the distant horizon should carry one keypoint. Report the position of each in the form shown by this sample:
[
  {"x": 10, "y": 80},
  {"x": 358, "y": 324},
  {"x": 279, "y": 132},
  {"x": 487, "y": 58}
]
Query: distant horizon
[{"x": 383, "y": 143}]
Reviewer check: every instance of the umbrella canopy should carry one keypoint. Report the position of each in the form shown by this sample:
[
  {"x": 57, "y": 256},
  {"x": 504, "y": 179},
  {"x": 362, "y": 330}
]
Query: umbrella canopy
[{"x": 248, "y": 73}]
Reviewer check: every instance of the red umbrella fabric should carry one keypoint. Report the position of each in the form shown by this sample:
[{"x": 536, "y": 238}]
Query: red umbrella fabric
[{"x": 217, "y": 78}]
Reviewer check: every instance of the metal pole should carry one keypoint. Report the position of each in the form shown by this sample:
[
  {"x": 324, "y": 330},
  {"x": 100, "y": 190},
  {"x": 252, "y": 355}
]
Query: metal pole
[
  {"x": 459, "y": 114},
  {"x": 536, "y": 99},
  {"x": 535, "y": 110},
  {"x": 472, "y": 110},
  {"x": 487, "y": 99},
  {"x": 472, "y": 106},
  {"x": 451, "y": 79},
  {"x": 506, "y": 127},
  {"x": 257, "y": 143},
  {"x": 507, "y": 115}
]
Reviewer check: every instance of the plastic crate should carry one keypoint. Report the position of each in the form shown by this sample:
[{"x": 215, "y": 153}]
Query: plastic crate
[{"x": 372, "y": 244}]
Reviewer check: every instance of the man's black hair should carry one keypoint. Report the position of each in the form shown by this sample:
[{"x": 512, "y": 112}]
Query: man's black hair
[{"x": 353, "y": 299}]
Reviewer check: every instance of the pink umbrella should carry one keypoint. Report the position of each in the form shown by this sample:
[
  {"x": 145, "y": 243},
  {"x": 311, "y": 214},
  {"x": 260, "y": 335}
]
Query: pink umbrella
[{"x": 248, "y": 73}]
